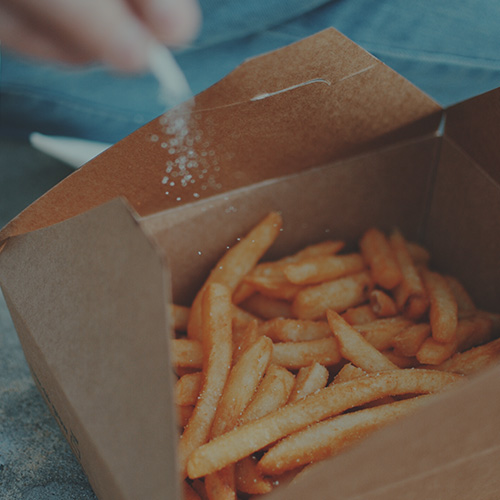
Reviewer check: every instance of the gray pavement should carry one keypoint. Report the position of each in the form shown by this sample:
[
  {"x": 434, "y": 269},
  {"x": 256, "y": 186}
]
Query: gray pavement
[{"x": 36, "y": 462}]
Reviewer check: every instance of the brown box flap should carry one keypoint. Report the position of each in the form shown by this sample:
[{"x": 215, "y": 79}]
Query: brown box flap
[
  {"x": 475, "y": 125},
  {"x": 88, "y": 297},
  {"x": 317, "y": 100}
]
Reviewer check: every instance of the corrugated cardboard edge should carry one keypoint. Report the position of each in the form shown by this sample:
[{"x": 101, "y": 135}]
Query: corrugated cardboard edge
[
  {"x": 89, "y": 298},
  {"x": 323, "y": 91}
]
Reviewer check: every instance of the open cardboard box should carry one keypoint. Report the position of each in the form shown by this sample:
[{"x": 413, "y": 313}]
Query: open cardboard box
[{"x": 337, "y": 142}]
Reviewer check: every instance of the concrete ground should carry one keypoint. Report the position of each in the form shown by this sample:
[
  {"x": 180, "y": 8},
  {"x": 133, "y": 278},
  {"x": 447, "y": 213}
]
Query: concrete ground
[{"x": 36, "y": 462}]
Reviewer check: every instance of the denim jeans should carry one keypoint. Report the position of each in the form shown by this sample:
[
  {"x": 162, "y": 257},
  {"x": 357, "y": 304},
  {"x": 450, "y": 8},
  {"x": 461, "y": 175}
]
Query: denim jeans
[{"x": 449, "y": 49}]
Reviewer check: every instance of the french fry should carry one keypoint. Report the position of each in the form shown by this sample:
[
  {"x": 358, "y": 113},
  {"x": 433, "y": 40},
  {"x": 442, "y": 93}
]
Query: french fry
[
  {"x": 294, "y": 330},
  {"x": 401, "y": 361},
  {"x": 241, "y": 384},
  {"x": 419, "y": 255},
  {"x": 332, "y": 400},
  {"x": 408, "y": 341},
  {"x": 379, "y": 256},
  {"x": 323, "y": 268},
  {"x": 274, "y": 270},
  {"x": 273, "y": 287},
  {"x": 216, "y": 320},
  {"x": 184, "y": 414},
  {"x": 186, "y": 353},
  {"x": 243, "y": 338},
  {"x": 348, "y": 372},
  {"x": 355, "y": 348},
  {"x": 470, "y": 332},
  {"x": 242, "y": 318},
  {"x": 410, "y": 294},
  {"x": 180, "y": 316},
  {"x": 381, "y": 332},
  {"x": 266, "y": 307},
  {"x": 473, "y": 360},
  {"x": 339, "y": 295},
  {"x": 221, "y": 485},
  {"x": 443, "y": 314},
  {"x": 198, "y": 486},
  {"x": 187, "y": 389},
  {"x": 273, "y": 393},
  {"x": 383, "y": 305},
  {"x": 236, "y": 263},
  {"x": 249, "y": 480},
  {"x": 465, "y": 304},
  {"x": 295, "y": 355},
  {"x": 189, "y": 493},
  {"x": 308, "y": 380},
  {"x": 329, "y": 437},
  {"x": 359, "y": 315}
]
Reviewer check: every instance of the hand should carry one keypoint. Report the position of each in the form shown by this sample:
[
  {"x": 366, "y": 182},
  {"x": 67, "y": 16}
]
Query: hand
[{"x": 115, "y": 32}]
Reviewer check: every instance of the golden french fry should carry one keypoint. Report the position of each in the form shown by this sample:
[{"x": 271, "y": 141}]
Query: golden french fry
[
  {"x": 470, "y": 332},
  {"x": 443, "y": 314},
  {"x": 418, "y": 253},
  {"x": 411, "y": 289},
  {"x": 294, "y": 330},
  {"x": 221, "y": 485},
  {"x": 329, "y": 437},
  {"x": 323, "y": 268},
  {"x": 274, "y": 287},
  {"x": 379, "y": 256},
  {"x": 189, "y": 493},
  {"x": 274, "y": 270},
  {"x": 332, "y": 400},
  {"x": 216, "y": 343},
  {"x": 266, "y": 307},
  {"x": 473, "y": 360},
  {"x": 273, "y": 393},
  {"x": 339, "y": 295},
  {"x": 236, "y": 263},
  {"x": 241, "y": 318},
  {"x": 184, "y": 414},
  {"x": 295, "y": 355},
  {"x": 309, "y": 380},
  {"x": 243, "y": 338},
  {"x": 198, "y": 486},
  {"x": 465, "y": 304},
  {"x": 241, "y": 384},
  {"x": 383, "y": 305},
  {"x": 249, "y": 480},
  {"x": 408, "y": 341},
  {"x": 355, "y": 348},
  {"x": 187, "y": 389},
  {"x": 381, "y": 332},
  {"x": 348, "y": 372},
  {"x": 359, "y": 315},
  {"x": 180, "y": 316},
  {"x": 186, "y": 353},
  {"x": 401, "y": 361}
]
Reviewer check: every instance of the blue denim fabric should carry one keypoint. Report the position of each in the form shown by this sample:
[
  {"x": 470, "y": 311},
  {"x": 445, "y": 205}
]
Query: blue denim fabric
[{"x": 449, "y": 49}]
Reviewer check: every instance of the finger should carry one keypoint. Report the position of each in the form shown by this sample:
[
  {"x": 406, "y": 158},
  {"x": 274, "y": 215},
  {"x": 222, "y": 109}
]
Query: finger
[
  {"x": 20, "y": 35},
  {"x": 107, "y": 31},
  {"x": 174, "y": 22}
]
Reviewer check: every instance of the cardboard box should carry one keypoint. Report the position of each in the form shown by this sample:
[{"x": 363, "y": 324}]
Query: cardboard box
[{"x": 337, "y": 142}]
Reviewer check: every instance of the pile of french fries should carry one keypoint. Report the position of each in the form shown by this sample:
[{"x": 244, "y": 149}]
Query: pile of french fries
[{"x": 285, "y": 363}]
